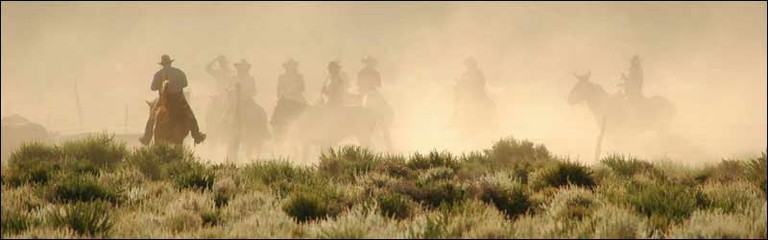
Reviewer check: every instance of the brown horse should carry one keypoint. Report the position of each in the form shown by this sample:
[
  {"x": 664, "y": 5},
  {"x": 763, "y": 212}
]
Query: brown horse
[{"x": 171, "y": 123}]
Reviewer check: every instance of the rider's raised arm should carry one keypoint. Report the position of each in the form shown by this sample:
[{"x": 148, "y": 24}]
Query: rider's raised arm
[{"x": 209, "y": 68}]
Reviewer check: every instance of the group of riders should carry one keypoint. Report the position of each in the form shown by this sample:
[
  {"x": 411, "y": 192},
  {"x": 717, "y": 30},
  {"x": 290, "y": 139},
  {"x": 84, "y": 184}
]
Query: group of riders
[{"x": 233, "y": 107}]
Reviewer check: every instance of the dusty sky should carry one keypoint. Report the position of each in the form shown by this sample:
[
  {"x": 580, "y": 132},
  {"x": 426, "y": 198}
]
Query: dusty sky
[{"x": 709, "y": 59}]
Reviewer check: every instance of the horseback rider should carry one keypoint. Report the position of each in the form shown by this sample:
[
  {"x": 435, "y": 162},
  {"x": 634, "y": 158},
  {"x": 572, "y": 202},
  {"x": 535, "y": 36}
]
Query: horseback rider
[
  {"x": 471, "y": 85},
  {"x": 368, "y": 78},
  {"x": 290, "y": 84},
  {"x": 633, "y": 84},
  {"x": 177, "y": 81},
  {"x": 222, "y": 74},
  {"x": 244, "y": 79},
  {"x": 336, "y": 89}
]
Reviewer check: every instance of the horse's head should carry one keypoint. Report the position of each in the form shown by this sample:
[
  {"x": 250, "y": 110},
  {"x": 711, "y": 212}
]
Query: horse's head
[{"x": 582, "y": 89}]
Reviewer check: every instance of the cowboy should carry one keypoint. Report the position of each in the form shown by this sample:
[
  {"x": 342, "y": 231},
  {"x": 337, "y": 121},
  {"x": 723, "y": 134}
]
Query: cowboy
[
  {"x": 222, "y": 74},
  {"x": 633, "y": 84},
  {"x": 368, "y": 78},
  {"x": 290, "y": 84},
  {"x": 472, "y": 82},
  {"x": 290, "y": 97},
  {"x": 177, "y": 81},
  {"x": 336, "y": 89},
  {"x": 244, "y": 79}
]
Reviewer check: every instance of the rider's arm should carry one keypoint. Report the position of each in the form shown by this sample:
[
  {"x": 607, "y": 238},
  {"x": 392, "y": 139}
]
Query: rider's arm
[
  {"x": 182, "y": 79},
  {"x": 155, "y": 82}
]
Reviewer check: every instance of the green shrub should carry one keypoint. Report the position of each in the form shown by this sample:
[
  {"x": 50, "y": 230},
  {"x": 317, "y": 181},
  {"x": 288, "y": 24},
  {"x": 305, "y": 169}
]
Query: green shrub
[
  {"x": 85, "y": 218},
  {"x": 197, "y": 177},
  {"x": 664, "y": 203},
  {"x": 509, "y": 152},
  {"x": 75, "y": 188},
  {"x": 211, "y": 218},
  {"x": 309, "y": 204},
  {"x": 509, "y": 198},
  {"x": 33, "y": 162},
  {"x": 572, "y": 203},
  {"x": 395, "y": 205},
  {"x": 434, "y": 159},
  {"x": 161, "y": 161},
  {"x": 433, "y": 194},
  {"x": 629, "y": 166},
  {"x": 564, "y": 173},
  {"x": 344, "y": 163},
  {"x": 395, "y": 166},
  {"x": 757, "y": 171},
  {"x": 100, "y": 150},
  {"x": 281, "y": 176},
  {"x": 14, "y": 222}
]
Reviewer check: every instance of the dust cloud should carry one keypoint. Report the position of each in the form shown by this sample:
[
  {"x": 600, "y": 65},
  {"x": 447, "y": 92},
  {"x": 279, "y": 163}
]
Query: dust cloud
[{"x": 708, "y": 59}]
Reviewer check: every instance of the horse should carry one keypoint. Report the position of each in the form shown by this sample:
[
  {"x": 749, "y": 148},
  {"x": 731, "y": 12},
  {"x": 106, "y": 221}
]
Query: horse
[
  {"x": 623, "y": 116},
  {"x": 244, "y": 124},
  {"x": 323, "y": 125},
  {"x": 474, "y": 115},
  {"x": 171, "y": 124}
]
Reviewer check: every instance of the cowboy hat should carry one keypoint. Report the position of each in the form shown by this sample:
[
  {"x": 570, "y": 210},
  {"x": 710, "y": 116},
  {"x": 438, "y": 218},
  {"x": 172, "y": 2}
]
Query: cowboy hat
[
  {"x": 370, "y": 60},
  {"x": 290, "y": 63},
  {"x": 243, "y": 65},
  {"x": 165, "y": 59},
  {"x": 636, "y": 58}
]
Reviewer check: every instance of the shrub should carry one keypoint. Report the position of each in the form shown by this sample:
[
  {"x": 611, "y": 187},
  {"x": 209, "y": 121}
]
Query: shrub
[
  {"x": 281, "y": 176},
  {"x": 346, "y": 162},
  {"x": 737, "y": 196},
  {"x": 572, "y": 203},
  {"x": 434, "y": 193},
  {"x": 395, "y": 205},
  {"x": 506, "y": 194},
  {"x": 509, "y": 152},
  {"x": 85, "y": 188},
  {"x": 312, "y": 204},
  {"x": 85, "y": 218},
  {"x": 395, "y": 166},
  {"x": 33, "y": 162},
  {"x": 161, "y": 161},
  {"x": 99, "y": 150},
  {"x": 14, "y": 221},
  {"x": 664, "y": 203},
  {"x": 434, "y": 159},
  {"x": 715, "y": 225},
  {"x": 629, "y": 166},
  {"x": 564, "y": 173},
  {"x": 617, "y": 222},
  {"x": 757, "y": 171},
  {"x": 198, "y": 177}
]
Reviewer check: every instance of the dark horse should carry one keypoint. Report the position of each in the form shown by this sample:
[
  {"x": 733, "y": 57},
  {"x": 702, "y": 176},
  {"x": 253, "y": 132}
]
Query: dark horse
[
  {"x": 171, "y": 123},
  {"x": 622, "y": 116}
]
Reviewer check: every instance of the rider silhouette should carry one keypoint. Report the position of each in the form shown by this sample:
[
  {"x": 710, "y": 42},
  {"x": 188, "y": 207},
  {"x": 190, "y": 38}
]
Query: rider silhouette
[
  {"x": 222, "y": 74},
  {"x": 471, "y": 85},
  {"x": 368, "y": 78},
  {"x": 633, "y": 84},
  {"x": 336, "y": 89},
  {"x": 177, "y": 81}
]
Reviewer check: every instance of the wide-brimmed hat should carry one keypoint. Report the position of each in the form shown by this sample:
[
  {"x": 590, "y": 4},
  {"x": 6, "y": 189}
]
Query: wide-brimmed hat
[
  {"x": 165, "y": 59},
  {"x": 370, "y": 60},
  {"x": 334, "y": 64},
  {"x": 244, "y": 65},
  {"x": 636, "y": 59},
  {"x": 470, "y": 61},
  {"x": 290, "y": 64}
]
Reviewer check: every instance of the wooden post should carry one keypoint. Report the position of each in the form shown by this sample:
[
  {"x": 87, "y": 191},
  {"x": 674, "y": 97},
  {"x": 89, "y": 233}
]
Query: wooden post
[
  {"x": 79, "y": 108},
  {"x": 600, "y": 140}
]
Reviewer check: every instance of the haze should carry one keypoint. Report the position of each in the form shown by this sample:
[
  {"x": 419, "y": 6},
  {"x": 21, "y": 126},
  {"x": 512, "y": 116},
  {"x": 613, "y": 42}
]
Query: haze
[{"x": 709, "y": 59}]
